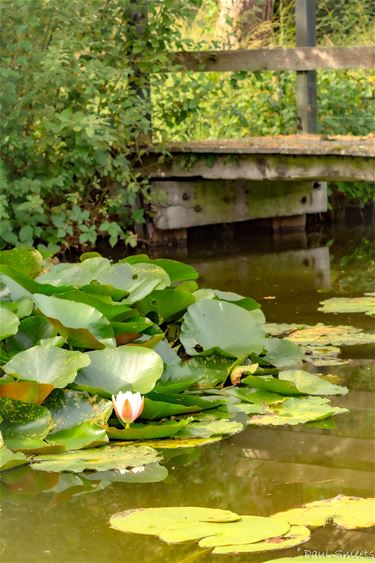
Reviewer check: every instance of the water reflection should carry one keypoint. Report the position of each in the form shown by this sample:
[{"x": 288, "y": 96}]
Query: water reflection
[{"x": 64, "y": 518}]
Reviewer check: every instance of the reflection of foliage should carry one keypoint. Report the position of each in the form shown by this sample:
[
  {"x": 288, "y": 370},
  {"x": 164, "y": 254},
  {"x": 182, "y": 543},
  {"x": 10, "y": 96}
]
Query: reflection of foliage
[{"x": 355, "y": 272}]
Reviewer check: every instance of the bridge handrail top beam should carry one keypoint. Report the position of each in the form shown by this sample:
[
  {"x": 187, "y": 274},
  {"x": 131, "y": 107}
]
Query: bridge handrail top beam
[
  {"x": 304, "y": 145},
  {"x": 275, "y": 59}
]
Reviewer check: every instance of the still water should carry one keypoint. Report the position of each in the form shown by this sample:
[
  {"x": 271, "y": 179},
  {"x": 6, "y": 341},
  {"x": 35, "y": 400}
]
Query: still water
[{"x": 48, "y": 517}]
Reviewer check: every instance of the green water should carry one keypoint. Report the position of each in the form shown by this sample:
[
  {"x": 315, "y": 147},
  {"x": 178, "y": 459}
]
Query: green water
[{"x": 44, "y": 518}]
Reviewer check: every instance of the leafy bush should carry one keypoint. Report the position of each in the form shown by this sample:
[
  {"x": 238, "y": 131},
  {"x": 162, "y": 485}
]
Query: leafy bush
[{"x": 76, "y": 108}]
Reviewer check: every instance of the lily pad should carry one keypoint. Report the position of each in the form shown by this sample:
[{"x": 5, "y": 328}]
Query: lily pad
[
  {"x": 346, "y": 512},
  {"x": 165, "y": 304},
  {"x": 151, "y": 473},
  {"x": 126, "y": 368},
  {"x": 206, "y": 429},
  {"x": 295, "y": 382},
  {"x": 365, "y": 304},
  {"x": 174, "y": 443},
  {"x": 323, "y": 335},
  {"x": 283, "y": 353},
  {"x": 84, "y": 435},
  {"x": 150, "y": 431},
  {"x": 155, "y": 410},
  {"x": 298, "y": 411},
  {"x": 47, "y": 364},
  {"x": 98, "y": 459},
  {"x": 177, "y": 271},
  {"x": 31, "y": 331},
  {"x": 211, "y": 325},
  {"x": 85, "y": 326},
  {"x": 27, "y": 260},
  {"x": 26, "y": 391},
  {"x": 24, "y": 420},
  {"x": 9, "y": 459},
  {"x": 75, "y": 275},
  {"x": 9, "y": 323},
  {"x": 296, "y": 536}
]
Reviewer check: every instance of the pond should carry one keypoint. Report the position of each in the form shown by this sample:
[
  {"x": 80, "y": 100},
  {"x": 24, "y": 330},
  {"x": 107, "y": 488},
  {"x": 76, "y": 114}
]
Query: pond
[{"x": 50, "y": 517}]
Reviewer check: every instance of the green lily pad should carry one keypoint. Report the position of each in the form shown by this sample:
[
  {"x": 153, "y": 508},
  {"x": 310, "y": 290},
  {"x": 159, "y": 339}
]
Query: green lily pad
[
  {"x": 295, "y": 382},
  {"x": 9, "y": 323},
  {"x": 298, "y": 411},
  {"x": 165, "y": 304},
  {"x": 323, "y": 356},
  {"x": 211, "y": 325},
  {"x": 296, "y": 536},
  {"x": 31, "y": 331},
  {"x": 84, "y": 435},
  {"x": 323, "y": 335},
  {"x": 28, "y": 260},
  {"x": 22, "y": 286},
  {"x": 75, "y": 275},
  {"x": 9, "y": 459},
  {"x": 24, "y": 420},
  {"x": 22, "y": 308},
  {"x": 84, "y": 326},
  {"x": 98, "y": 459},
  {"x": 255, "y": 396},
  {"x": 26, "y": 391},
  {"x": 126, "y": 368},
  {"x": 70, "y": 408},
  {"x": 139, "y": 431},
  {"x": 174, "y": 443},
  {"x": 155, "y": 410},
  {"x": 47, "y": 364},
  {"x": 206, "y": 429},
  {"x": 346, "y": 512},
  {"x": 177, "y": 271},
  {"x": 365, "y": 304},
  {"x": 105, "y": 304},
  {"x": 282, "y": 353}
]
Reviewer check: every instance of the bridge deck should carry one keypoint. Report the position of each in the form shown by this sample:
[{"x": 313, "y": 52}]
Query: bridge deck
[{"x": 324, "y": 145}]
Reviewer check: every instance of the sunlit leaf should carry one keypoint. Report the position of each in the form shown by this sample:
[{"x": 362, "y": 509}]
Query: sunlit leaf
[
  {"x": 26, "y": 391},
  {"x": 296, "y": 536},
  {"x": 150, "y": 431},
  {"x": 23, "y": 420},
  {"x": 9, "y": 323},
  {"x": 9, "y": 459},
  {"x": 365, "y": 304},
  {"x": 28, "y": 260},
  {"x": 283, "y": 353}
]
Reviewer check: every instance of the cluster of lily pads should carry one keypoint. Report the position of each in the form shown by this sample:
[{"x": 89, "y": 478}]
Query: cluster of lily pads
[
  {"x": 74, "y": 336},
  {"x": 226, "y": 532}
]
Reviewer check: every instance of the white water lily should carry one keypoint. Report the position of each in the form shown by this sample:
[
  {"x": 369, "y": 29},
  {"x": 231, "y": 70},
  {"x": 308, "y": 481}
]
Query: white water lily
[{"x": 128, "y": 406}]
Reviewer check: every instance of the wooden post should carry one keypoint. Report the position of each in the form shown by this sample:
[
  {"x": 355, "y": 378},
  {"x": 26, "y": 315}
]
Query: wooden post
[{"x": 305, "y": 16}]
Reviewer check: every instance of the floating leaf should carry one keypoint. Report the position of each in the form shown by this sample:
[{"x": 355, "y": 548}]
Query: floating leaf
[
  {"x": 28, "y": 260},
  {"x": 47, "y": 364},
  {"x": 282, "y": 353},
  {"x": 217, "y": 325},
  {"x": 155, "y": 410},
  {"x": 296, "y": 536},
  {"x": 151, "y": 473},
  {"x": 105, "y": 304},
  {"x": 165, "y": 304},
  {"x": 75, "y": 275},
  {"x": 177, "y": 271},
  {"x": 126, "y": 368},
  {"x": 298, "y": 411},
  {"x": 9, "y": 323},
  {"x": 26, "y": 391},
  {"x": 323, "y": 335},
  {"x": 24, "y": 420},
  {"x": 31, "y": 331},
  {"x": 9, "y": 459},
  {"x": 346, "y": 512},
  {"x": 294, "y": 382},
  {"x": 365, "y": 304},
  {"x": 206, "y": 429},
  {"x": 150, "y": 431},
  {"x": 85, "y": 326},
  {"x": 99, "y": 459},
  {"x": 84, "y": 435}
]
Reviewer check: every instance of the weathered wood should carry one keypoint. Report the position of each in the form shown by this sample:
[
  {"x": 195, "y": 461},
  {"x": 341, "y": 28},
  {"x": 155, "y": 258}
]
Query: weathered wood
[
  {"x": 277, "y": 59},
  {"x": 265, "y": 167},
  {"x": 306, "y": 89},
  {"x": 207, "y": 202},
  {"x": 324, "y": 145}
]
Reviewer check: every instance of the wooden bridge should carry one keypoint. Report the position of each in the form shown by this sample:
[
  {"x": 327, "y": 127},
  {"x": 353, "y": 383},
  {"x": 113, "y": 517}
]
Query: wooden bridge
[{"x": 200, "y": 183}]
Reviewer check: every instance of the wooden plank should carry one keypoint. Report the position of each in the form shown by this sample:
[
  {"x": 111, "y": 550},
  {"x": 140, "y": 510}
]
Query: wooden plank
[
  {"x": 263, "y": 167},
  {"x": 276, "y": 59},
  {"x": 306, "y": 88},
  {"x": 340, "y": 145},
  {"x": 208, "y": 202}
]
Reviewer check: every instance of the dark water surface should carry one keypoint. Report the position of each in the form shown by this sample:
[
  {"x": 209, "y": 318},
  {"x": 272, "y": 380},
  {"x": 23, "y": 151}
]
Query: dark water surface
[{"x": 261, "y": 470}]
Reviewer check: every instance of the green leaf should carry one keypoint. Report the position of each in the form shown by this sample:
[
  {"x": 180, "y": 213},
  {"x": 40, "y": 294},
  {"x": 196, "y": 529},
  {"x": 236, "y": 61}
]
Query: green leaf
[
  {"x": 84, "y": 326},
  {"x": 24, "y": 420},
  {"x": 155, "y": 410},
  {"x": 298, "y": 411},
  {"x": 324, "y": 335},
  {"x": 177, "y": 271},
  {"x": 126, "y": 368},
  {"x": 346, "y": 512},
  {"x": 26, "y": 391},
  {"x": 109, "y": 308},
  {"x": 166, "y": 303},
  {"x": 282, "y": 353},
  {"x": 47, "y": 364},
  {"x": 139, "y": 431},
  {"x": 31, "y": 331},
  {"x": 296, "y": 536},
  {"x": 84, "y": 435},
  {"x": 75, "y": 275},
  {"x": 9, "y": 459},
  {"x": 294, "y": 382},
  {"x": 217, "y": 325},
  {"x": 28, "y": 260},
  {"x": 99, "y": 459},
  {"x": 151, "y": 473},
  {"x": 9, "y": 323},
  {"x": 206, "y": 429},
  {"x": 365, "y": 304}
]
